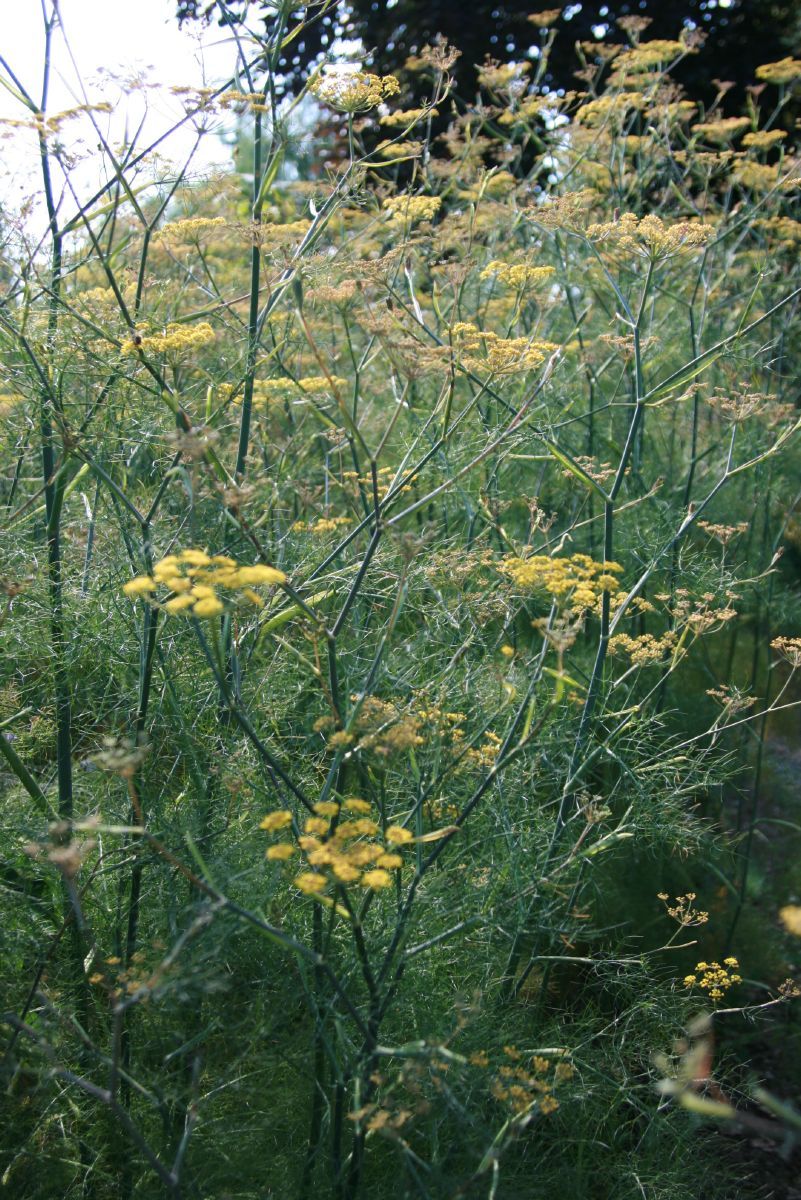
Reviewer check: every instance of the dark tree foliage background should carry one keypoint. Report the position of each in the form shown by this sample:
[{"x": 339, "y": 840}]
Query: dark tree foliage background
[{"x": 740, "y": 35}]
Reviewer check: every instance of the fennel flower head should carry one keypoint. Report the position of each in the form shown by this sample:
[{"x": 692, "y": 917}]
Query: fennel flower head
[{"x": 352, "y": 91}]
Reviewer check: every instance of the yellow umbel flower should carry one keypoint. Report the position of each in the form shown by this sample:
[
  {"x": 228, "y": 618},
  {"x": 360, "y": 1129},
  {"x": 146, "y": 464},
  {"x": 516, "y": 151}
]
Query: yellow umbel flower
[
  {"x": 484, "y": 350},
  {"x": 407, "y": 210},
  {"x": 351, "y": 852},
  {"x": 517, "y": 275},
  {"x": 193, "y": 577},
  {"x": 175, "y": 339},
  {"x": 407, "y": 116},
  {"x": 351, "y": 91},
  {"x": 143, "y": 585},
  {"x": 715, "y": 979},
  {"x": 188, "y": 228},
  {"x": 279, "y": 819},
  {"x": 396, "y": 835},
  {"x": 790, "y": 917},
  {"x": 280, "y": 852},
  {"x": 356, "y": 805},
  {"x": 650, "y": 236},
  {"x": 310, "y": 882},
  {"x": 786, "y": 70},
  {"x": 376, "y": 880},
  {"x": 577, "y": 582}
]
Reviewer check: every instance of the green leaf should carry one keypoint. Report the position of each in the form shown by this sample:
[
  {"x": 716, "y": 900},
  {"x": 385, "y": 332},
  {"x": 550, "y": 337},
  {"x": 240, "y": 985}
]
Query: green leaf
[{"x": 573, "y": 467}]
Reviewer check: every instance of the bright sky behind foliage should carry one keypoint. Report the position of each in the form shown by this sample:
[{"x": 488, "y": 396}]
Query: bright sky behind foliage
[
  {"x": 120, "y": 38},
  {"x": 110, "y": 40}
]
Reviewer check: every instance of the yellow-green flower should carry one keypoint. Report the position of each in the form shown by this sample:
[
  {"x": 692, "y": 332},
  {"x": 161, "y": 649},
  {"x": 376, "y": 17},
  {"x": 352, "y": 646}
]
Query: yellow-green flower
[
  {"x": 310, "y": 882},
  {"x": 143, "y": 585},
  {"x": 356, "y": 805},
  {"x": 280, "y": 852},
  {"x": 790, "y": 917},
  {"x": 396, "y": 835},
  {"x": 279, "y": 819},
  {"x": 351, "y": 91},
  {"x": 326, "y": 808},
  {"x": 377, "y": 879},
  {"x": 208, "y": 606},
  {"x": 192, "y": 578}
]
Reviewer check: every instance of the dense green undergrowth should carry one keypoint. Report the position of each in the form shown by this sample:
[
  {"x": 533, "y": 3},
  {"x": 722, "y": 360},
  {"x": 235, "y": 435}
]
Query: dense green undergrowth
[{"x": 399, "y": 642}]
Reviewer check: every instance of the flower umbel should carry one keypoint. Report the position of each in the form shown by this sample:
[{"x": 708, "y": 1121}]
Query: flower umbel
[
  {"x": 339, "y": 852},
  {"x": 715, "y": 978},
  {"x": 192, "y": 579},
  {"x": 351, "y": 91}
]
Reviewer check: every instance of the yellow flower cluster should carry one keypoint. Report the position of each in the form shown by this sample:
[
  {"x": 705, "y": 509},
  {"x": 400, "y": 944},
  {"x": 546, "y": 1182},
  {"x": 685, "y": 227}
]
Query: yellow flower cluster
[
  {"x": 353, "y": 91},
  {"x": 682, "y": 910},
  {"x": 386, "y": 729},
  {"x": 487, "y": 351},
  {"x": 193, "y": 96},
  {"x": 655, "y": 53},
  {"x": 235, "y": 99},
  {"x": 353, "y": 481},
  {"x": 609, "y": 109},
  {"x": 721, "y": 131},
  {"x": 340, "y": 851},
  {"x": 339, "y": 293},
  {"x": 545, "y": 18},
  {"x": 568, "y": 211},
  {"x": 789, "y": 648},
  {"x": 723, "y": 533},
  {"x": 632, "y": 143},
  {"x": 785, "y": 229},
  {"x": 645, "y": 648},
  {"x": 731, "y": 698},
  {"x": 407, "y": 210},
  {"x": 530, "y": 1085},
  {"x": 407, "y": 147},
  {"x": 715, "y": 979},
  {"x": 103, "y": 300},
  {"x": 650, "y": 235},
  {"x": 192, "y": 578},
  {"x": 485, "y": 754},
  {"x": 790, "y": 917},
  {"x": 126, "y": 981},
  {"x": 739, "y": 404},
  {"x": 188, "y": 228},
  {"x": 47, "y": 124},
  {"x": 763, "y": 177},
  {"x": 577, "y": 582},
  {"x": 321, "y": 526},
  {"x": 517, "y": 275},
  {"x": 439, "y": 55},
  {"x": 601, "y": 472},
  {"x": 267, "y": 392},
  {"x": 696, "y": 612},
  {"x": 496, "y": 75},
  {"x": 786, "y": 70},
  {"x": 531, "y": 107},
  {"x": 316, "y": 385},
  {"x": 763, "y": 139},
  {"x": 175, "y": 338},
  {"x": 406, "y": 116},
  {"x": 491, "y": 185},
  {"x": 273, "y": 233}
]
